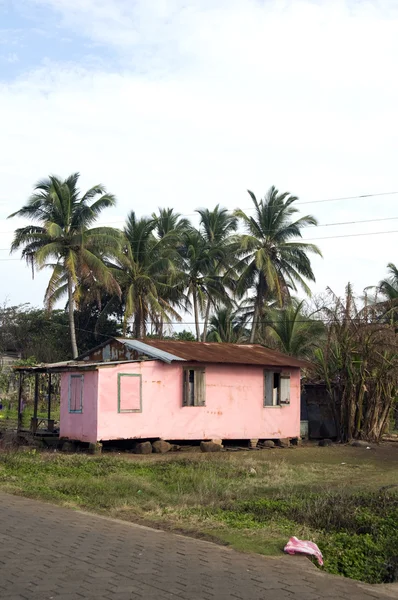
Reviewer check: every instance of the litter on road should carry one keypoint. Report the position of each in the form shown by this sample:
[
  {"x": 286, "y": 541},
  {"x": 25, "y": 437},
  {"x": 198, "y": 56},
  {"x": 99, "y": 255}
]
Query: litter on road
[{"x": 296, "y": 546}]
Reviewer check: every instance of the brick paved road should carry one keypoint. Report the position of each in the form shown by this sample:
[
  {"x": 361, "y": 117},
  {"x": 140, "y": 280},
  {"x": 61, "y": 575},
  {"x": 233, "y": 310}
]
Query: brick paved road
[{"x": 47, "y": 552}]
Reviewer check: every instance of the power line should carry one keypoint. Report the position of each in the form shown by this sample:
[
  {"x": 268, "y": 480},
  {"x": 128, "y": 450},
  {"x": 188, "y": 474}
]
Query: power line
[
  {"x": 331, "y": 237},
  {"x": 349, "y": 235},
  {"x": 306, "y": 227},
  {"x": 353, "y": 222},
  {"x": 261, "y": 322},
  {"x": 299, "y": 203},
  {"x": 348, "y": 198},
  {"x": 322, "y": 225}
]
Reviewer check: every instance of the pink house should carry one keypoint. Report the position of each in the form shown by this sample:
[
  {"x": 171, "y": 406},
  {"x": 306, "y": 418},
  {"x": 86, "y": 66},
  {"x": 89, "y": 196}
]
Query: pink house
[{"x": 131, "y": 389}]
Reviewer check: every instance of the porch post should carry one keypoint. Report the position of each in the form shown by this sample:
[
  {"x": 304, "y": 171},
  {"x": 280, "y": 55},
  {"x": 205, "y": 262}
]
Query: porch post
[
  {"x": 36, "y": 402},
  {"x": 49, "y": 397},
  {"x": 50, "y": 422},
  {"x": 19, "y": 427}
]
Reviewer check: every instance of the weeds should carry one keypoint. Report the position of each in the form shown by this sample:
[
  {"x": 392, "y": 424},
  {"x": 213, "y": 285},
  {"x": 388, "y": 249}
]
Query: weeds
[{"x": 255, "y": 502}]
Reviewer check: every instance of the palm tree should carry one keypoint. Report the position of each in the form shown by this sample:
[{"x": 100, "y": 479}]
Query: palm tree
[
  {"x": 388, "y": 287},
  {"x": 169, "y": 228},
  {"x": 62, "y": 235},
  {"x": 271, "y": 261},
  {"x": 295, "y": 332},
  {"x": 169, "y": 222},
  {"x": 217, "y": 227},
  {"x": 227, "y": 326},
  {"x": 196, "y": 261},
  {"x": 201, "y": 276},
  {"x": 145, "y": 271}
]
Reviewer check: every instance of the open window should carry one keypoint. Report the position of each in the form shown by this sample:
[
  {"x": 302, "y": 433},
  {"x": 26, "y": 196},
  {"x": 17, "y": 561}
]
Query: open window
[
  {"x": 75, "y": 399},
  {"x": 194, "y": 387},
  {"x": 276, "y": 388}
]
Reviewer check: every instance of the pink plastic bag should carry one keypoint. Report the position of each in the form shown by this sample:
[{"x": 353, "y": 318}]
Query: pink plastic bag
[{"x": 295, "y": 545}]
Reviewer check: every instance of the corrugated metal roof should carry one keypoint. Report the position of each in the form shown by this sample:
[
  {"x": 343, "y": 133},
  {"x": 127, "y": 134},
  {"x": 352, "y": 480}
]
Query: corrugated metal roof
[
  {"x": 209, "y": 352},
  {"x": 174, "y": 351},
  {"x": 61, "y": 366},
  {"x": 70, "y": 365},
  {"x": 150, "y": 350}
]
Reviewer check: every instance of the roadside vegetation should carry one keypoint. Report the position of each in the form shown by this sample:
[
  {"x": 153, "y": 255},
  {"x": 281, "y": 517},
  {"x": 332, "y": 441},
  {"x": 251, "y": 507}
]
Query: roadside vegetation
[
  {"x": 342, "y": 498},
  {"x": 236, "y": 273}
]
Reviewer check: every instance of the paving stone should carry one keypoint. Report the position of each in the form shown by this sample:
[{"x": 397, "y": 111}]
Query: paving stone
[{"x": 52, "y": 553}]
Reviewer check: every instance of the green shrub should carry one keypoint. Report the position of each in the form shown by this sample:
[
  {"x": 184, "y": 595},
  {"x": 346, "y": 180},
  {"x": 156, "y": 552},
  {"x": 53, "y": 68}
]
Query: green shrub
[{"x": 355, "y": 531}]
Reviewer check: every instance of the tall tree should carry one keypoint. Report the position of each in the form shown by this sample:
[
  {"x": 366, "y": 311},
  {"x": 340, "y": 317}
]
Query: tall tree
[
  {"x": 198, "y": 275},
  {"x": 272, "y": 260},
  {"x": 170, "y": 228},
  {"x": 217, "y": 228},
  {"x": 227, "y": 326},
  {"x": 62, "y": 239},
  {"x": 359, "y": 364},
  {"x": 196, "y": 260},
  {"x": 295, "y": 332},
  {"x": 388, "y": 288},
  {"x": 145, "y": 271},
  {"x": 168, "y": 222}
]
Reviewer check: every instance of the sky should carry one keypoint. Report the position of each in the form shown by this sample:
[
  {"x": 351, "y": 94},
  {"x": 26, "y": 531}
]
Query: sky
[{"x": 189, "y": 103}]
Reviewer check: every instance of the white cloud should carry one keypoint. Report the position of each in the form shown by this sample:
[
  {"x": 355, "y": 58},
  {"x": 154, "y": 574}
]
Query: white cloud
[
  {"x": 10, "y": 58},
  {"x": 212, "y": 99}
]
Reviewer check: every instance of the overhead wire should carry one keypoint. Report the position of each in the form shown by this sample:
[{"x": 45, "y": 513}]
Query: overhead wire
[
  {"x": 299, "y": 203},
  {"x": 182, "y": 323},
  {"x": 339, "y": 223},
  {"x": 331, "y": 237}
]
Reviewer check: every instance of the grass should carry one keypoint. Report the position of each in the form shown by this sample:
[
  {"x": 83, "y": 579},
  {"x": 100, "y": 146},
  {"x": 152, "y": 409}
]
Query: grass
[
  {"x": 252, "y": 500},
  {"x": 9, "y": 416}
]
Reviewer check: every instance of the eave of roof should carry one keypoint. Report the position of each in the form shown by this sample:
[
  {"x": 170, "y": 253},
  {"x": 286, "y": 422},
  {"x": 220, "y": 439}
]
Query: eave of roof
[
  {"x": 71, "y": 366},
  {"x": 169, "y": 351},
  {"x": 210, "y": 352}
]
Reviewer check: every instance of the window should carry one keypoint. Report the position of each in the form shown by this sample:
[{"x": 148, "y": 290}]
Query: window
[
  {"x": 276, "y": 388},
  {"x": 193, "y": 387},
  {"x": 76, "y": 393},
  {"x": 129, "y": 392}
]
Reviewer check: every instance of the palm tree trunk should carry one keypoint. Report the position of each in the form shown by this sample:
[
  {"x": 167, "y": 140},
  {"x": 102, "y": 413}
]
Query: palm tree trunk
[
  {"x": 71, "y": 309},
  {"x": 143, "y": 324},
  {"x": 137, "y": 326},
  {"x": 255, "y": 322},
  {"x": 206, "y": 323},
  {"x": 260, "y": 295},
  {"x": 196, "y": 314}
]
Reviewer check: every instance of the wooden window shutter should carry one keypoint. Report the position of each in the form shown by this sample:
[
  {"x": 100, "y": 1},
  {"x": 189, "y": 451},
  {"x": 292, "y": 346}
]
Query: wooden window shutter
[
  {"x": 268, "y": 388},
  {"x": 285, "y": 388},
  {"x": 200, "y": 387},
  {"x": 76, "y": 393},
  {"x": 185, "y": 380}
]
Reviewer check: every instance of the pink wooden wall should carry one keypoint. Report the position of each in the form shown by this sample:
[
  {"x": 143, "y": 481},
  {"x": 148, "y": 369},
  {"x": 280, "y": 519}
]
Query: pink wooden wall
[
  {"x": 234, "y": 405},
  {"x": 76, "y": 426}
]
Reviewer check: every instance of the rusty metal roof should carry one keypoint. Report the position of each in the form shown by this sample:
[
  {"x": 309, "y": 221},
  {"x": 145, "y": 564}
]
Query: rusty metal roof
[
  {"x": 209, "y": 352},
  {"x": 174, "y": 351}
]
